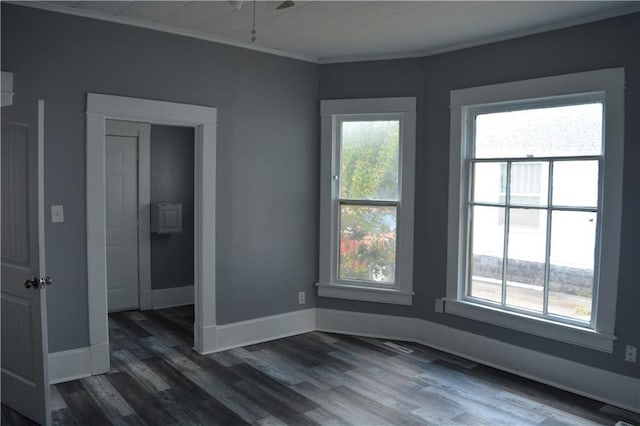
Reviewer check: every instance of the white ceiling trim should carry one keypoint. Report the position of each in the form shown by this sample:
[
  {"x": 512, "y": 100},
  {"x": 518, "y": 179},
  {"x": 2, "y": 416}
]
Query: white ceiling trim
[
  {"x": 163, "y": 28},
  {"x": 634, "y": 7}
]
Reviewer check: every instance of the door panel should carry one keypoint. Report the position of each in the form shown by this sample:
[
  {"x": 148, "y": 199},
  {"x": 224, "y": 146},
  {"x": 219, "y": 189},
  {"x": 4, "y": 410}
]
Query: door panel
[
  {"x": 15, "y": 163},
  {"x": 25, "y": 384},
  {"x": 122, "y": 222},
  {"x": 17, "y": 348}
]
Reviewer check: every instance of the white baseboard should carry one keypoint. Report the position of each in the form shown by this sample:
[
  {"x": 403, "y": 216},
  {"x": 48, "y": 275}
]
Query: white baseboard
[
  {"x": 264, "y": 329},
  {"x": 69, "y": 365},
  {"x": 595, "y": 383},
  {"x": 207, "y": 344},
  {"x": 171, "y": 297},
  {"x": 371, "y": 325},
  {"x": 612, "y": 388},
  {"x": 78, "y": 363},
  {"x": 100, "y": 363},
  {"x": 146, "y": 299}
]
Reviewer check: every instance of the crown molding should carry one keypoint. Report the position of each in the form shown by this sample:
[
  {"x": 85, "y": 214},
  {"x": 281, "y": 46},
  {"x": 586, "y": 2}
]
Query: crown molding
[
  {"x": 626, "y": 10},
  {"x": 53, "y": 7}
]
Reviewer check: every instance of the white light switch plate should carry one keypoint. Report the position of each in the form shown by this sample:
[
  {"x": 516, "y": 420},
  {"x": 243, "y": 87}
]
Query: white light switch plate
[{"x": 57, "y": 214}]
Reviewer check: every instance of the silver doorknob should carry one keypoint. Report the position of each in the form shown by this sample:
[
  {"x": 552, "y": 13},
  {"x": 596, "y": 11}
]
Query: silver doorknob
[
  {"x": 32, "y": 283},
  {"x": 37, "y": 283}
]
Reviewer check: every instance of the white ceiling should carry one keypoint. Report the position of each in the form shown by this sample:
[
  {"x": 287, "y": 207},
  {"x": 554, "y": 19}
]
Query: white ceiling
[{"x": 335, "y": 31}]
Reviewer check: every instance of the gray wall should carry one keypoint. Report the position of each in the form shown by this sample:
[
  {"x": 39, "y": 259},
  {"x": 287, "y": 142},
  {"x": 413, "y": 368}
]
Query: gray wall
[
  {"x": 604, "y": 44},
  {"x": 172, "y": 182},
  {"x": 267, "y": 155}
]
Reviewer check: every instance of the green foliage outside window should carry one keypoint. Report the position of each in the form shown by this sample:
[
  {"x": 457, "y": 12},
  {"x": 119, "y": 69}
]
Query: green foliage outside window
[{"x": 369, "y": 171}]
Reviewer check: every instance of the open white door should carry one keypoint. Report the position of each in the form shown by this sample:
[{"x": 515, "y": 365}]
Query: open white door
[{"x": 25, "y": 382}]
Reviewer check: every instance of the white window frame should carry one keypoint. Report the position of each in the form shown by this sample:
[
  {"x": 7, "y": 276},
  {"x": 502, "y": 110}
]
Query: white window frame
[
  {"x": 332, "y": 113},
  {"x": 607, "y": 83}
]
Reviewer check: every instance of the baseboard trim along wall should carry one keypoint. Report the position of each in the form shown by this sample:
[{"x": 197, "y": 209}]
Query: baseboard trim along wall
[
  {"x": 77, "y": 363},
  {"x": 69, "y": 365},
  {"x": 264, "y": 329},
  {"x": 172, "y": 297},
  {"x": 99, "y": 358},
  {"x": 612, "y": 388}
]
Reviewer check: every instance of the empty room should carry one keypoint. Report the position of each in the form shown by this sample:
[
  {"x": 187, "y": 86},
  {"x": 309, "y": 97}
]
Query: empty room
[{"x": 320, "y": 212}]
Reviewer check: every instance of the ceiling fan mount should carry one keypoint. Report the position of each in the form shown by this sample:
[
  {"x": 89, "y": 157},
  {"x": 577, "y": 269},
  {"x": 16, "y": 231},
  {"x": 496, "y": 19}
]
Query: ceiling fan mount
[
  {"x": 284, "y": 5},
  {"x": 238, "y": 4}
]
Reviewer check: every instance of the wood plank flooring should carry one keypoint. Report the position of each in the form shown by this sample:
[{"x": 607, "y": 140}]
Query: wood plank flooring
[{"x": 314, "y": 378}]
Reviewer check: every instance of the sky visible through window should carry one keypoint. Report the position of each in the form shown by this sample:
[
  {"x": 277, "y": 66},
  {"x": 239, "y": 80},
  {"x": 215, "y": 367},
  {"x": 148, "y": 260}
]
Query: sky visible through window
[{"x": 544, "y": 132}]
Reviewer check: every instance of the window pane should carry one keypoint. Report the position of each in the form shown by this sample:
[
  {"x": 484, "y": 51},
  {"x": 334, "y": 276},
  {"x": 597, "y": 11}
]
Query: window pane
[
  {"x": 558, "y": 131},
  {"x": 573, "y": 236},
  {"x": 525, "y": 262},
  {"x": 490, "y": 182},
  {"x": 529, "y": 184},
  {"x": 487, "y": 249},
  {"x": 369, "y": 153},
  {"x": 575, "y": 183},
  {"x": 367, "y": 243}
]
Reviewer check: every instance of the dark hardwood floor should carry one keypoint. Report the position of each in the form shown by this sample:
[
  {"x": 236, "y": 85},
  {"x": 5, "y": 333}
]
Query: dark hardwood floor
[{"x": 314, "y": 378}]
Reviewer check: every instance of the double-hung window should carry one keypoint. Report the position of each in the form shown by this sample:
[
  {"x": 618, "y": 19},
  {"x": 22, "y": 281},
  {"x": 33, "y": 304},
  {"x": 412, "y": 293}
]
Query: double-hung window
[
  {"x": 535, "y": 188},
  {"x": 366, "y": 224}
]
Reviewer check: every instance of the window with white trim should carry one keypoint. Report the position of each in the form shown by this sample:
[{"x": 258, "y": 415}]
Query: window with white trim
[
  {"x": 367, "y": 171},
  {"x": 535, "y": 174}
]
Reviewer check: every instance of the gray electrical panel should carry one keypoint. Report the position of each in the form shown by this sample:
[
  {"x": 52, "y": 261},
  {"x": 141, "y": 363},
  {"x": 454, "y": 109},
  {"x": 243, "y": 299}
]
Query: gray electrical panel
[{"x": 166, "y": 218}]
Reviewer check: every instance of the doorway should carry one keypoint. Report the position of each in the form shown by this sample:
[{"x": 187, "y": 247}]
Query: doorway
[
  {"x": 149, "y": 169},
  {"x": 100, "y": 108}
]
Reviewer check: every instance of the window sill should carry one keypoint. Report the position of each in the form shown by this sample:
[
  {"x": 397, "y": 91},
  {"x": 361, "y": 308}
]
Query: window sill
[
  {"x": 365, "y": 294},
  {"x": 537, "y": 326}
]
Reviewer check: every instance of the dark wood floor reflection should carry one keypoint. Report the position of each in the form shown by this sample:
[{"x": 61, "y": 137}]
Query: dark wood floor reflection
[{"x": 314, "y": 378}]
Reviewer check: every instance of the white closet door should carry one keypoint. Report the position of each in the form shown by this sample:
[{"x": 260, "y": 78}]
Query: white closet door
[{"x": 122, "y": 222}]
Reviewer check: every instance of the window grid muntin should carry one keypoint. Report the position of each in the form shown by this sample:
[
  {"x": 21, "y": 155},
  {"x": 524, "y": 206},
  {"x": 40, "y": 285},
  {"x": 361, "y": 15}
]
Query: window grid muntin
[
  {"x": 547, "y": 254},
  {"x": 550, "y": 208},
  {"x": 473, "y": 112},
  {"x": 339, "y": 201},
  {"x": 505, "y": 237}
]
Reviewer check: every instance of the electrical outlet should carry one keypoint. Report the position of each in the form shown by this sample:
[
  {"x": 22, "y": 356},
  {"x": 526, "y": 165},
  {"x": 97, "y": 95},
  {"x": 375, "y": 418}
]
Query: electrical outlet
[
  {"x": 631, "y": 354},
  {"x": 439, "y": 305},
  {"x": 301, "y": 298}
]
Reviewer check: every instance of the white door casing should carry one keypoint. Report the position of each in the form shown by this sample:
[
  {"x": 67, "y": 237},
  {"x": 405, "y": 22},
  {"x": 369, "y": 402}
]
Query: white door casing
[
  {"x": 25, "y": 379},
  {"x": 203, "y": 120},
  {"x": 123, "y": 140}
]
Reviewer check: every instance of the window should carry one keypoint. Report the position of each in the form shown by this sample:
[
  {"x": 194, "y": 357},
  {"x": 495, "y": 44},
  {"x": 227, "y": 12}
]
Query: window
[
  {"x": 525, "y": 187},
  {"x": 366, "y": 242},
  {"x": 535, "y": 175}
]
